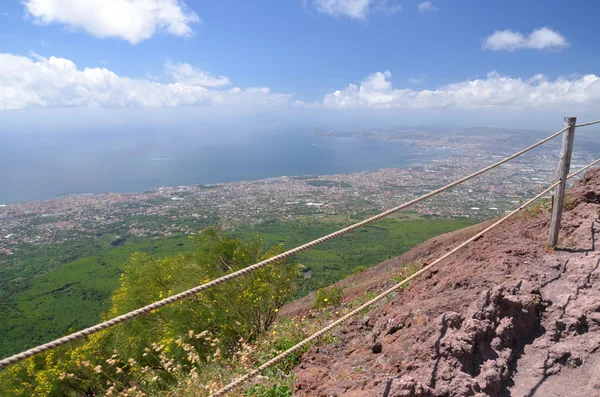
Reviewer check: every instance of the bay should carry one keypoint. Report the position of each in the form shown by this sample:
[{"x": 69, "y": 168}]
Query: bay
[{"x": 36, "y": 166}]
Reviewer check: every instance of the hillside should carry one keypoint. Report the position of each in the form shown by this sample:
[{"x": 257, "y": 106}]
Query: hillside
[
  {"x": 505, "y": 316},
  {"x": 45, "y": 292}
]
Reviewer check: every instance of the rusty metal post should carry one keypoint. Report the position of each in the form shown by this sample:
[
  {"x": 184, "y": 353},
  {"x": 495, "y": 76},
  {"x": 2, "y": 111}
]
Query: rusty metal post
[{"x": 564, "y": 165}]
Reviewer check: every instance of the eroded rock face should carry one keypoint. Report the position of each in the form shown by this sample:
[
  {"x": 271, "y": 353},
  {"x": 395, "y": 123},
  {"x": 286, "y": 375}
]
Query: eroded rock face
[
  {"x": 487, "y": 343},
  {"x": 504, "y": 317},
  {"x": 473, "y": 352}
]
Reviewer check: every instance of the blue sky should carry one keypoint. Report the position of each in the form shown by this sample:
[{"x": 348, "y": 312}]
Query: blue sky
[{"x": 400, "y": 55}]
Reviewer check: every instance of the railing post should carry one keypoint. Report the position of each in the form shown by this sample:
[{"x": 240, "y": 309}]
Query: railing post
[{"x": 564, "y": 165}]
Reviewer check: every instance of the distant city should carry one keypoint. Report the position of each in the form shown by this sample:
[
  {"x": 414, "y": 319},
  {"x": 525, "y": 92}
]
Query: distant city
[{"x": 167, "y": 211}]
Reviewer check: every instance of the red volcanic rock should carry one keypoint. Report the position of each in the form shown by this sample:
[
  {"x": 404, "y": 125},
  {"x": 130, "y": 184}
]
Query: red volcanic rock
[{"x": 505, "y": 316}]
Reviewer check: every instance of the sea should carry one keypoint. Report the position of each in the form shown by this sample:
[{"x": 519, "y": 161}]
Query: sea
[{"x": 37, "y": 166}]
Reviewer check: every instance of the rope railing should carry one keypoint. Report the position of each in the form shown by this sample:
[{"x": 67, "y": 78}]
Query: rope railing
[
  {"x": 192, "y": 291},
  {"x": 326, "y": 329},
  {"x": 586, "y": 124}
]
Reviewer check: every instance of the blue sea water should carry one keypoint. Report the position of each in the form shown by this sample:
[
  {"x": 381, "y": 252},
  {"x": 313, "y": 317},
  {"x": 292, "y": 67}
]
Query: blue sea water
[{"x": 37, "y": 166}]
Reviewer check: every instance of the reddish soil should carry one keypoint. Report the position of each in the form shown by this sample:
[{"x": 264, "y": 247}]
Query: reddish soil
[{"x": 505, "y": 316}]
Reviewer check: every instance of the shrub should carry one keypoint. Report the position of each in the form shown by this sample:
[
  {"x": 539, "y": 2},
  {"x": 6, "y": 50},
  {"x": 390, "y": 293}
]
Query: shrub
[
  {"x": 358, "y": 269},
  {"x": 331, "y": 296},
  {"x": 539, "y": 207},
  {"x": 569, "y": 203}
]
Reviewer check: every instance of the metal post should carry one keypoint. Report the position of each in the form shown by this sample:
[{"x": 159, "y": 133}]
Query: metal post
[{"x": 563, "y": 171}]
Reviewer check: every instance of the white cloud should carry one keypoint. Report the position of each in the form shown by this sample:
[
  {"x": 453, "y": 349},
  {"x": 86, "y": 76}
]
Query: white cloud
[
  {"x": 36, "y": 81},
  {"x": 30, "y": 82},
  {"x": 382, "y": 6},
  {"x": 414, "y": 80},
  {"x": 494, "y": 91},
  {"x": 184, "y": 72},
  {"x": 427, "y": 6},
  {"x": 539, "y": 39},
  {"x": 131, "y": 20},
  {"x": 355, "y": 9}
]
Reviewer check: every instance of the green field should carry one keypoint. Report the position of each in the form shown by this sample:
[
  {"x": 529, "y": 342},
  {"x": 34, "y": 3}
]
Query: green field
[
  {"x": 367, "y": 246},
  {"x": 42, "y": 306}
]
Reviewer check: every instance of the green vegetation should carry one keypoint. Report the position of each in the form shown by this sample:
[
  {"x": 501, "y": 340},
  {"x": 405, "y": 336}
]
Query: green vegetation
[
  {"x": 569, "y": 203},
  {"x": 537, "y": 208},
  {"x": 72, "y": 296},
  {"x": 358, "y": 269},
  {"x": 37, "y": 305},
  {"x": 331, "y": 296},
  {"x": 266, "y": 391},
  {"x": 195, "y": 347},
  {"x": 152, "y": 353},
  {"x": 545, "y": 205},
  {"x": 334, "y": 260},
  {"x": 406, "y": 271}
]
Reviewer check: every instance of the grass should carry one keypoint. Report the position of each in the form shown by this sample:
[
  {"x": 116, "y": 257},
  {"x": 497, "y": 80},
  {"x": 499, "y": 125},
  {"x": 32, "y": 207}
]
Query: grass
[
  {"x": 539, "y": 207},
  {"x": 406, "y": 271},
  {"x": 545, "y": 205}
]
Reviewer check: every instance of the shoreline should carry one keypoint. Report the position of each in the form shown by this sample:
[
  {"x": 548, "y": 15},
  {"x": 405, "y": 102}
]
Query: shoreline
[{"x": 231, "y": 182}]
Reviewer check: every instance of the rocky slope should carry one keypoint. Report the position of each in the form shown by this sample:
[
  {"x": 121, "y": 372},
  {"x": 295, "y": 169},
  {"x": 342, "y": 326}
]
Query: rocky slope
[{"x": 506, "y": 316}]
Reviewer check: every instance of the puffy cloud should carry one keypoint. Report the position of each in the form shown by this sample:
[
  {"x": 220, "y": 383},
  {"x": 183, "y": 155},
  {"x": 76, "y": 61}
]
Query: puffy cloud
[
  {"x": 494, "y": 91},
  {"x": 131, "y": 20},
  {"x": 355, "y": 9},
  {"x": 36, "y": 81},
  {"x": 57, "y": 82},
  {"x": 427, "y": 6},
  {"x": 184, "y": 72},
  {"x": 539, "y": 39}
]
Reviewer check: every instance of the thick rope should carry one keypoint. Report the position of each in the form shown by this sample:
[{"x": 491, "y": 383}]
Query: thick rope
[
  {"x": 185, "y": 294},
  {"x": 583, "y": 169},
  {"x": 590, "y": 123},
  {"x": 321, "y": 332}
]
